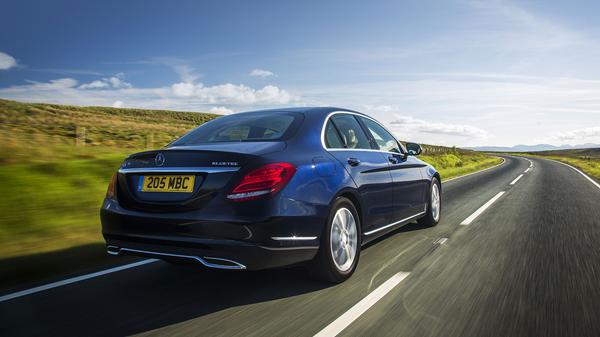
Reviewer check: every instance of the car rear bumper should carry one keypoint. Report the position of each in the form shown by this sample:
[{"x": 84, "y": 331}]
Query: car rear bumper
[{"x": 236, "y": 243}]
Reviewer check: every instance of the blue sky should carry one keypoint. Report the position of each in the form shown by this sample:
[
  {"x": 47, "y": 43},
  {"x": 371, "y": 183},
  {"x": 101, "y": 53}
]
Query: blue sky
[{"x": 445, "y": 72}]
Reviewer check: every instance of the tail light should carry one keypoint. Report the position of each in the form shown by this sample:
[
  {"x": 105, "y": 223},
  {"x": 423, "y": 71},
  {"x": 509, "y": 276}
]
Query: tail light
[
  {"x": 111, "y": 192},
  {"x": 263, "y": 181}
]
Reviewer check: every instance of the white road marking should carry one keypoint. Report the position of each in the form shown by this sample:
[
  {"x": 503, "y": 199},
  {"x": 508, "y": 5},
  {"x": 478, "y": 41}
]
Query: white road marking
[
  {"x": 516, "y": 179},
  {"x": 440, "y": 241},
  {"x": 481, "y": 209},
  {"x": 73, "y": 280},
  {"x": 583, "y": 174},
  {"x": 529, "y": 168},
  {"x": 361, "y": 307},
  {"x": 466, "y": 175}
]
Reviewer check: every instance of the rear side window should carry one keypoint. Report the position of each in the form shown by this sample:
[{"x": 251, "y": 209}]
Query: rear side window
[
  {"x": 351, "y": 132},
  {"x": 271, "y": 126},
  {"x": 332, "y": 137},
  {"x": 384, "y": 139}
]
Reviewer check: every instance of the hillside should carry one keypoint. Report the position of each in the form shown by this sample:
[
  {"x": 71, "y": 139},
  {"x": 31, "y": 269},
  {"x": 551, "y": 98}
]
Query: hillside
[
  {"x": 34, "y": 123},
  {"x": 593, "y": 153},
  {"x": 532, "y": 148}
]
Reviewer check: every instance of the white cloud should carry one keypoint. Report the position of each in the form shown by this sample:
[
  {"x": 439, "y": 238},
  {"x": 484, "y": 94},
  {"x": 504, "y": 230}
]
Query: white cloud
[
  {"x": 115, "y": 82},
  {"x": 517, "y": 28},
  {"x": 179, "y": 96},
  {"x": 58, "y": 84},
  {"x": 97, "y": 84},
  {"x": 407, "y": 123},
  {"x": 7, "y": 61},
  {"x": 185, "y": 72},
  {"x": 118, "y": 104},
  {"x": 221, "y": 110},
  {"x": 261, "y": 73},
  {"x": 584, "y": 134},
  {"x": 183, "y": 89},
  {"x": 232, "y": 94}
]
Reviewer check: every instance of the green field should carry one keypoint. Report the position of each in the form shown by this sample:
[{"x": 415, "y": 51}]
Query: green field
[{"x": 55, "y": 164}]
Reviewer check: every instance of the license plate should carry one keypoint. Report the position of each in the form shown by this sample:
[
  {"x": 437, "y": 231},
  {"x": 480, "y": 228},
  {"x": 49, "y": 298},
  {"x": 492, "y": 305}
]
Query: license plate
[{"x": 177, "y": 183}]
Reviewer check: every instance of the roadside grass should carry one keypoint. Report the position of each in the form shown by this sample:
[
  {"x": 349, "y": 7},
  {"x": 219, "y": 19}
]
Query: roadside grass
[
  {"x": 455, "y": 164},
  {"x": 589, "y": 166},
  {"x": 52, "y": 205},
  {"x": 52, "y": 189},
  {"x": 586, "y": 160}
]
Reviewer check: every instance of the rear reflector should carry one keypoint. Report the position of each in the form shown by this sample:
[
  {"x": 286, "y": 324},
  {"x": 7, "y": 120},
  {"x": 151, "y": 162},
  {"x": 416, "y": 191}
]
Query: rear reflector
[
  {"x": 111, "y": 191},
  {"x": 263, "y": 181}
]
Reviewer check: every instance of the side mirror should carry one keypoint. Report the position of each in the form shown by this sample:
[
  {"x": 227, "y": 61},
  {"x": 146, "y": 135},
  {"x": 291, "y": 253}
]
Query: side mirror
[{"x": 413, "y": 149}]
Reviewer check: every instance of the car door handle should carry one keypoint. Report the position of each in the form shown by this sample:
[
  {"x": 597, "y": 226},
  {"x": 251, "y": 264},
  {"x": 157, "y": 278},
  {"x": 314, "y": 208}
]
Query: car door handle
[
  {"x": 393, "y": 160},
  {"x": 353, "y": 161}
]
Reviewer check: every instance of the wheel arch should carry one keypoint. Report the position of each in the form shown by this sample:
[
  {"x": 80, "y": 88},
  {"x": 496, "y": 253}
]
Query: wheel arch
[
  {"x": 354, "y": 197},
  {"x": 439, "y": 178}
]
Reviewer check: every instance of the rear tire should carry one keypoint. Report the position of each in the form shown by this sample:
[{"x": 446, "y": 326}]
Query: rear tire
[
  {"x": 340, "y": 244},
  {"x": 434, "y": 205}
]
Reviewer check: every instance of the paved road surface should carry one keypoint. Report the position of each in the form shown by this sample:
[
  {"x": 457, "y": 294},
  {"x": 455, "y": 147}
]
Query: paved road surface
[{"x": 529, "y": 265}]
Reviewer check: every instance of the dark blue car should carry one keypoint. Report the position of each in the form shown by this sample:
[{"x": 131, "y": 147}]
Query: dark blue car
[{"x": 268, "y": 189}]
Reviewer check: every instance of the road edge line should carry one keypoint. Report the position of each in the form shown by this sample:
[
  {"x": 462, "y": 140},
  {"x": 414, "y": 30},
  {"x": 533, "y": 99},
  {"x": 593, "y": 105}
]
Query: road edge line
[
  {"x": 342, "y": 322},
  {"x": 71, "y": 280},
  {"x": 577, "y": 170},
  {"x": 485, "y": 169}
]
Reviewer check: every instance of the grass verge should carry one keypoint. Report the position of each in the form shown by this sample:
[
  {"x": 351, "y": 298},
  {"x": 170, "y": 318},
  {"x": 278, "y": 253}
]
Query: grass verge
[
  {"x": 451, "y": 165},
  {"x": 590, "y": 166},
  {"x": 587, "y": 160}
]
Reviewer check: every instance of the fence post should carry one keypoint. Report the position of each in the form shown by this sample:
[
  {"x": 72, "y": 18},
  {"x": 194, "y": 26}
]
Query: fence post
[
  {"x": 80, "y": 135},
  {"x": 150, "y": 141}
]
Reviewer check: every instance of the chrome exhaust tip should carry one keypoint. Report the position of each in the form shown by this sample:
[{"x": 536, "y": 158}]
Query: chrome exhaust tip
[
  {"x": 113, "y": 250},
  {"x": 207, "y": 261}
]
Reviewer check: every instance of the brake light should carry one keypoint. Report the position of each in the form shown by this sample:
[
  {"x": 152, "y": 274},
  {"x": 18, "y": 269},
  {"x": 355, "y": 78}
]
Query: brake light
[
  {"x": 111, "y": 192},
  {"x": 263, "y": 181}
]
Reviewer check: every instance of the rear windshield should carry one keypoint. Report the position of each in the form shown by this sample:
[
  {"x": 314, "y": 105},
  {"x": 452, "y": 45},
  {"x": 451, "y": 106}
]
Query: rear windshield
[{"x": 246, "y": 127}]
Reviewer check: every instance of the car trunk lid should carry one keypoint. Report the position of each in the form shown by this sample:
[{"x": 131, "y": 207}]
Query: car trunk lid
[{"x": 211, "y": 166}]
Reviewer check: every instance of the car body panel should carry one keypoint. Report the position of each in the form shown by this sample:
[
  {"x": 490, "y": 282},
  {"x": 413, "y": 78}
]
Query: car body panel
[
  {"x": 374, "y": 183},
  {"x": 278, "y": 230}
]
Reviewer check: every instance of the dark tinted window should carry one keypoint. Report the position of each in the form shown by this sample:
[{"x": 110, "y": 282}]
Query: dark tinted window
[
  {"x": 249, "y": 127},
  {"x": 384, "y": 139},
  {"x": 351, "y": 132},
  {"x": 332, "y": 137}
]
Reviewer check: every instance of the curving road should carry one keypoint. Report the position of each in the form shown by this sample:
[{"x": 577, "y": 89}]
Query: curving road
[{"x": 526, "y": 265}]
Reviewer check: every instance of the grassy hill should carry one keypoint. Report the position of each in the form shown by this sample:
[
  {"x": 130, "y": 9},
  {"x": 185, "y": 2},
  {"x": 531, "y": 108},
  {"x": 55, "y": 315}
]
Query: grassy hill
[
  {"x": 29, "y": 125},
  {"x": 56, "y": 161}
]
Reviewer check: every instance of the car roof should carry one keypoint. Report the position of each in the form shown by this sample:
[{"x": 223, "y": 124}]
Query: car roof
[{"x": 305, "y": 110}]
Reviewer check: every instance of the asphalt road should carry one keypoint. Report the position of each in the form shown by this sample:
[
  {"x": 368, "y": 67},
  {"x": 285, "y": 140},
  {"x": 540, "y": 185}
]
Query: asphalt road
[{"x": 529, "y": 265}]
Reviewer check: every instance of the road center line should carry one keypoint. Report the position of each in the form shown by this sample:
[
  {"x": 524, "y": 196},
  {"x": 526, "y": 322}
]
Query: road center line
[
  {"x": 440, "y": 241},
  {"x": 361, "y": 307},
  {"x": 516, "y": 179},
  {"x": 481, "y": 209},
  {"x": 73, "y": 280},
  {"x": 529, "y": 168}
]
